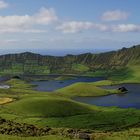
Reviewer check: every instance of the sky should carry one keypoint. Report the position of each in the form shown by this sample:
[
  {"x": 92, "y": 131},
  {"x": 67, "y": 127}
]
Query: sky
[{"x": 60, "y": 27}]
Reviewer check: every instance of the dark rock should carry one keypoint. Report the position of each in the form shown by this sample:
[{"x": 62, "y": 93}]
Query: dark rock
[
  {"x": 16, "y": 77},
  {"x": 122, "y": 89},
  {"x": 83, "y": 136},
  {"x": 2, "y": 121}
]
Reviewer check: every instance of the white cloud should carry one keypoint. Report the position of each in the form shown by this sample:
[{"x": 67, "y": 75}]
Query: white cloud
[
  {"x": 77, "y": 26},
  {"x": 126, "y": 28},
  {"x": 3, "y": 4},
  {"x": 45, "y": 16},
  {"x": 16, "y": 23},
  {"x": 115, "y": 15},
  {"x": 73, "y": 26}
]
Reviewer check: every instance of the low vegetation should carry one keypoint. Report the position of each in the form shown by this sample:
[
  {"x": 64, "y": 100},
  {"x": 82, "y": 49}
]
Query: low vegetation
[
  {"x": 58, "y": 110},
  {"x": 84, "y": 89},
  {"x": 68, "y": 77},
  {"x": 80, "y": 68},
  {"x": 47, "y": 107},
  {"x": 50, "y": 137}
]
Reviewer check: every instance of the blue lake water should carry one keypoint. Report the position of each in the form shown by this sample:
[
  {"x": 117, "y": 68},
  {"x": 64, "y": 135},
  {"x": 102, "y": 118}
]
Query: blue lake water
[
  {"x": 52, "y": 85},
  {"x": 128, "y": 100}
]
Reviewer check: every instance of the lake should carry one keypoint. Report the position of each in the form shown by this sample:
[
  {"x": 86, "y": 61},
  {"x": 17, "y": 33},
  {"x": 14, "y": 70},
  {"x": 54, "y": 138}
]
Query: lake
[
  {"x": 130, "y": 99},
  {"x": 52, "y": 85},
  {"x": 4, "y": 86}
]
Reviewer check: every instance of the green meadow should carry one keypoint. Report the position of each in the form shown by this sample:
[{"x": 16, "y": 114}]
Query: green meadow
[
  {"x": 58, "y": 110},
  {"x": 53, "y": 137}
]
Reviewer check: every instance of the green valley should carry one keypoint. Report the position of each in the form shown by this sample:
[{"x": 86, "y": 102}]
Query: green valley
[{"x": 56, "y": 114}]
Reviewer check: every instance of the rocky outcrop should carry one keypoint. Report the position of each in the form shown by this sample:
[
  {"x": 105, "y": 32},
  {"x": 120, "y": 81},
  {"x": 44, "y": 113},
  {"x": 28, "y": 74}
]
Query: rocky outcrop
[
  {"x": 26, "y": 130},
  {"x": 83, "y": 136},
  {"x": 122, "y": 89}
]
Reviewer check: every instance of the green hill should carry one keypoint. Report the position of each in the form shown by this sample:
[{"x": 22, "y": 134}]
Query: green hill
[
  {"x": 84, "y": 89},
  {"x": 47, "y": 107}
]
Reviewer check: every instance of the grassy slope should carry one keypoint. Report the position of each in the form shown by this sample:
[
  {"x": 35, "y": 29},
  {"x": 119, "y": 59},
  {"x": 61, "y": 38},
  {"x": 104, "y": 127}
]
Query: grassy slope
[
  {"x": 131, "y": 134},
  {"x": 83, "y": 116},
  {"x": 131, "y": 74},
  {"x": 80, "y": 67},
  {"x": 134, "y": 77},
  {"x": 34, "y": 103},
  {"x": 40, "y": 109},
  {"x": 52, "y": 110},
  {"x": 17, "y": 68},
  {"x": 5, "y": 137},
  {"x": 65, "y": 77},
  {"x": 80, "y": 115},
  {"x": 18, "y": 88},
  {"x": 84, "y": 89},
  {"x": 102, "y": 119},
  {"x": 47, "y": 107},
  {"x": 104, "y": 83},
  {"x": 18, "y": 84}
]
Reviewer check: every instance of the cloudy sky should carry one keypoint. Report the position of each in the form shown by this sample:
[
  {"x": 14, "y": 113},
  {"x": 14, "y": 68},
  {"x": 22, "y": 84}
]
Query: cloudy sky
[{"x": 59, "y": 27}]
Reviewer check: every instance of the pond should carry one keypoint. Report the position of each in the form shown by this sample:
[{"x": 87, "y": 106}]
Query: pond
[
  {"x": 52, "y": 85},
  {"x": 4, "y": 86},
  {"x": 128, "y": 100}
]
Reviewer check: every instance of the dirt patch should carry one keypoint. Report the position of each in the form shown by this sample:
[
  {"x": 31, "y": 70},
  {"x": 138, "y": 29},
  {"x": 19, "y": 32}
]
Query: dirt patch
[{"x": 5, "y": 100}]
